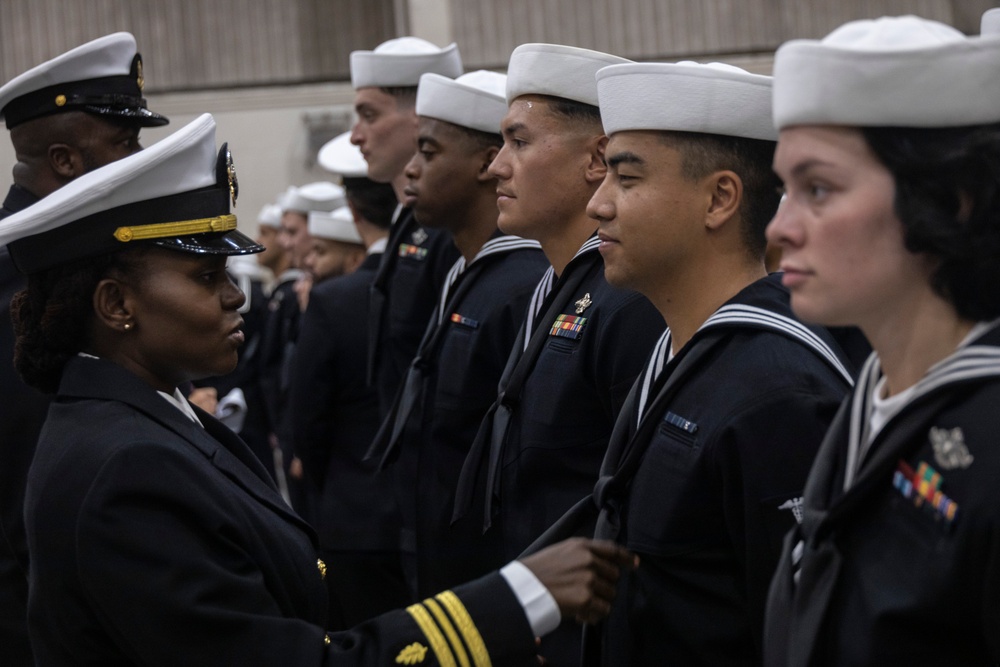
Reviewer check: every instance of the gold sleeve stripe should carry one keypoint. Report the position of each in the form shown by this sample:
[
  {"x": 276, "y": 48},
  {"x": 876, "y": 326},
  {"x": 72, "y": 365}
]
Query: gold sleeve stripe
[
  {"x": 159, "y": 230},
  {"x": 480, "y": 656},
  {"x": 449, "y": 630},
  {"x": 434, "y": 637}
]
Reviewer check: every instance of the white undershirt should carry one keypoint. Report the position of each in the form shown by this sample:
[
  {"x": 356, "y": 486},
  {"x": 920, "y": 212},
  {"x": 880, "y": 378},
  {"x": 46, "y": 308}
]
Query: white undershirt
[
  {"x": 377, "y": 246},
  {"x": 884, "y": 409}
]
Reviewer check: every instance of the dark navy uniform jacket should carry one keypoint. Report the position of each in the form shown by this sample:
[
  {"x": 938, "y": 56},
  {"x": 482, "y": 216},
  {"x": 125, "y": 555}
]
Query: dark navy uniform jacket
[
  {"x": 593, "y": 340},
  {"x": 902, "y": 567},
  {"x": 540, "y": 447},
  {"x": 403, "y": 294},
  {"x": 155, "y": 541},
  {"x": 22, "y": 411},
  {"x": 450, "y": 385},
  {"x": 335, "y": 416},
  {"x": 721, "y": 443},
  {"x": 277, "y": 348},
  {"x": 704, "y": 476}
]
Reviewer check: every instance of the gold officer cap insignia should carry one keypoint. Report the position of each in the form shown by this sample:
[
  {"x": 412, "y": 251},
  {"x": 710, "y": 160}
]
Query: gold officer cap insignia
[
  {"x": 234, "y": 183},
  {"x": 321, "y": 566},
  {"x": 139, "y": 80}
]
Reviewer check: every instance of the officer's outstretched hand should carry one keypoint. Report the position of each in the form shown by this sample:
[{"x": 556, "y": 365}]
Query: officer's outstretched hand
[{"x": 581, "y": 575}]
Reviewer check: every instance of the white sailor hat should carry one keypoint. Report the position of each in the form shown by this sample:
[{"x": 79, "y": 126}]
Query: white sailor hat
[
  {"x": 990, "y": 26},
  {"x": 319, "y": 196},
  {"x": 894, "y": 71},
  {"x": 475, "y": 100},
  {"x": 401, "y": 61},
  {"x": 269, "y": 216},
  {"x": 714, "y": 98},
  {"x": 341, "y": 157},
  {"x": 102, "y": 77},
  {"x": 175, "y": 194},
  {"x": 337, "y": 225},
  {"x": 559, "y": 71}
]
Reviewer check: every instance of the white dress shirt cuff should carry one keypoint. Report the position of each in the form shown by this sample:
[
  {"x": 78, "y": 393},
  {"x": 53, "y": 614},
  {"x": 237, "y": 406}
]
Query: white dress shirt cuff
[{"x": 538, "y": 604}]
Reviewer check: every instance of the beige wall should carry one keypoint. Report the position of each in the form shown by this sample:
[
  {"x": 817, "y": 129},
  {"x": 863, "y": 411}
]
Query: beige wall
[
  {"x": 226, "y": 46},
  {"x": 268, "y": 130}
]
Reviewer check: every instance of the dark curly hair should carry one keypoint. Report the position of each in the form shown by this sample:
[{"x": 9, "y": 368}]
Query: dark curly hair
[
  {"x": 948, "y": 200},
  {"x": 52, "y": 317}
]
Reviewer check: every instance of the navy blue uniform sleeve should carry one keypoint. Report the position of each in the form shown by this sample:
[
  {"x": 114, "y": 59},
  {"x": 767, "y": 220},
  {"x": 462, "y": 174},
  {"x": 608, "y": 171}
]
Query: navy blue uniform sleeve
[{"x": 173, "y": 575}]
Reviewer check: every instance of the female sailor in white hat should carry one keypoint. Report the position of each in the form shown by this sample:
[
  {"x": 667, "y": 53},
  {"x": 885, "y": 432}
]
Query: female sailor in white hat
[{"x": 889, "y": 149}]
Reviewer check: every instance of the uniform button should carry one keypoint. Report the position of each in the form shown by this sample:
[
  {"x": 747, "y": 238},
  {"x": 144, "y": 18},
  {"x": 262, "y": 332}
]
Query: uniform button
[
  {"x": 326, "y": 639},
  {"x": 321, "y": 566}
]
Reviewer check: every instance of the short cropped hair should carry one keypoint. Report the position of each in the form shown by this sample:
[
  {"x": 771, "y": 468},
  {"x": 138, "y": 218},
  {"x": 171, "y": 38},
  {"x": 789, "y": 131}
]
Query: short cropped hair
[
  {"x": 480, "y": 140},
  {"x": 406, "y": 96},
  {"x": 751, "y": 159},
  {"x": 375, "y": 202},
  {"x": 948, "y": 200}
]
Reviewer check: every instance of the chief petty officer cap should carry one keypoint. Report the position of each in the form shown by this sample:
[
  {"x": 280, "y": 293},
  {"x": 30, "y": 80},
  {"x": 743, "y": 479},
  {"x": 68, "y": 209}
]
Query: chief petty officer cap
[
  {"x": 556, "y": 70},
  {"x": 990, "y": 26},
  {"x": 175, "y": 194},
  {"x": 401, "y": 61},
  {"x": 475, "y": 100},
  {"x": 102, "y": 77},
  {"x": 319, "y": 196},
  {"x": 893, "y": 71},
  {"x": 713, "y": 98},
  {"x": 336, "y": 226},
  {"x": 339, "y": 156}
]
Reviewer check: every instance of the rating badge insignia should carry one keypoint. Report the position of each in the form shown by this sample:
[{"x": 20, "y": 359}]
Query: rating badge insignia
[
  {"x": 419, "y": 236},
  {"x": 794, "y": 504},
  {"x": 950, "y": 451},
  {"x": 583, "y": 304}
]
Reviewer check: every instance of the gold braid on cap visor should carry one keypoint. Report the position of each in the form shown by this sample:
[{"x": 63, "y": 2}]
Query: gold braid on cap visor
[{"x": 159, "y": 230}]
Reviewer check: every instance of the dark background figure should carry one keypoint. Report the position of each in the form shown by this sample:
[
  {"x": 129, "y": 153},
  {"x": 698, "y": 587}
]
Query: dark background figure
[
  {"x": 334, "y": 417},
  {"x": 54, "y": 143},
  {"x": 281, "y": 329}
]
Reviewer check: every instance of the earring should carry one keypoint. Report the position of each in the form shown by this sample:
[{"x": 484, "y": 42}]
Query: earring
[{"x": 128, "y": 326}]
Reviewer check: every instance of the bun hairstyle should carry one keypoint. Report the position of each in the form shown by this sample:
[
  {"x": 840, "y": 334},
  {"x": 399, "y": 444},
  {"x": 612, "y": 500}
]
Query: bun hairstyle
[{"x": 54, "y": 315}]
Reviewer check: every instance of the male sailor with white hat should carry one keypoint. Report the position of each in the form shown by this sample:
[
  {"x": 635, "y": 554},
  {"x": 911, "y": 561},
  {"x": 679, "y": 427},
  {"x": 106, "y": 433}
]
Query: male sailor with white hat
[
  {"x": 416, "y": 261},
  {"x": 697, "y": 478},
  {"x": 453, "y": 379},
  {"x": 541, "y": 443}
]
